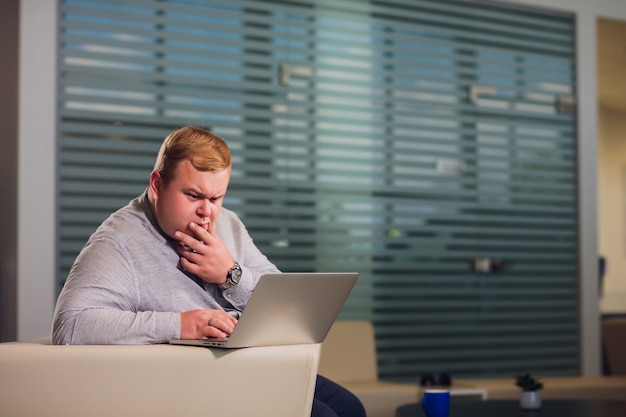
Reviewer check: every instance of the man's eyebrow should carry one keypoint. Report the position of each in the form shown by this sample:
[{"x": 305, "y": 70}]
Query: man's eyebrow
[
  {"x": 201, "y": 194},
  {"x": 196, "y": 191}
]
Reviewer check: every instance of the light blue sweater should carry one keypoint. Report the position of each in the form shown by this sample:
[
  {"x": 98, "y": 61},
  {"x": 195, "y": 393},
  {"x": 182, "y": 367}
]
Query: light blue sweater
[{"x": 126, "y": 285}]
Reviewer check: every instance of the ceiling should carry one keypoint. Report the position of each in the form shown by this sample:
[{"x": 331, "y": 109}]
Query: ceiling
[{"x": 612, "y": 64}]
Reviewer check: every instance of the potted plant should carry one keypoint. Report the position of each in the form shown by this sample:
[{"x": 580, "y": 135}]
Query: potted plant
[{"x": 530, "y": 398}]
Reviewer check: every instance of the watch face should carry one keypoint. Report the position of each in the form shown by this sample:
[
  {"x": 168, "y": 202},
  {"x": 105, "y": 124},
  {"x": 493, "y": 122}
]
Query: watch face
[
  {"x": 232, "y": 278},
  {"x": 234, "y": 274}
]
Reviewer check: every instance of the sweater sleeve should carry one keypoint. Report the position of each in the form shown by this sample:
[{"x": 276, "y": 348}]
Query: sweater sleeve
[
  {"x": 99, "y": 303},
  {"x": 252, "y": 261}
]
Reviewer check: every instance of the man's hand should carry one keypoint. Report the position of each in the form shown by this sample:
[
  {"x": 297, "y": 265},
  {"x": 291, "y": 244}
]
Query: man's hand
[
  {"x": 196, "y": 324},
  {"x": 204, "y": 255}
]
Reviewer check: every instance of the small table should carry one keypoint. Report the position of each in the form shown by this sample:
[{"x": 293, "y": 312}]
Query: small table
[{"x": 511, "y": 408}]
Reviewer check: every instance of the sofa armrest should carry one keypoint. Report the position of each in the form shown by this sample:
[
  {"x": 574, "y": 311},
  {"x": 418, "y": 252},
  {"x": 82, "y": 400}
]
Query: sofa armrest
[{"x": 156, "y": 380}]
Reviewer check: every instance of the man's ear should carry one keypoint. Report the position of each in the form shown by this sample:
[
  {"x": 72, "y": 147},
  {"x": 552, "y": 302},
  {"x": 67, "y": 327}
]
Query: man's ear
[{"x": 156, "y": 182}]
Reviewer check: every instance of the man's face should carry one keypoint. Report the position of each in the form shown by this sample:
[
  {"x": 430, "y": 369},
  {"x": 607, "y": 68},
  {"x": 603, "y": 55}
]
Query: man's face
[{"x": 191, "y": 196}]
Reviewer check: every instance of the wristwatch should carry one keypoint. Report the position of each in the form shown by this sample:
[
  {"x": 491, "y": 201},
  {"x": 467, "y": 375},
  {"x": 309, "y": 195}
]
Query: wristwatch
[{"x": 232, "y": 277}]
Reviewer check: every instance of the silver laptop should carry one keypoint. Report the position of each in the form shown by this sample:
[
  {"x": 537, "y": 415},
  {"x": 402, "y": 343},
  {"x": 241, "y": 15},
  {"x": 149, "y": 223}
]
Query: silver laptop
[{"x": 287, "y": 309}]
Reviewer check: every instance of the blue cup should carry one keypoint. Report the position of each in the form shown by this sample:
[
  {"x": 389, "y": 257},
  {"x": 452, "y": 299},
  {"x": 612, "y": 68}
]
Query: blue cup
[{"x": 436, "y": 402}]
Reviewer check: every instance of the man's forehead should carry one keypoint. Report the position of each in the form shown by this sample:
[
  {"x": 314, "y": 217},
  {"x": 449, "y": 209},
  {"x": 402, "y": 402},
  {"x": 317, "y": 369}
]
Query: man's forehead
[{"x": 206, "y": 181}]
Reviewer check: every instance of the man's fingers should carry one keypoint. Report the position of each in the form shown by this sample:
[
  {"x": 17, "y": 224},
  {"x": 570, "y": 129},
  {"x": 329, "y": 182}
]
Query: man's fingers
[
  {"x": 201, "y": 233},
  {"x": 223, "y": 322},
  {"x": 190, "y": 242},
  {"x": 184, "y": 238},
  {"x": 212, "y": 228},
  {"x": 201, "y": 236}
]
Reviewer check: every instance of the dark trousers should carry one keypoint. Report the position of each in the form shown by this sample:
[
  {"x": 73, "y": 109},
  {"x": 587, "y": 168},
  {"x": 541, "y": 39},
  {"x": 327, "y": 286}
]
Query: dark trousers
[{"x": 333, "y": 400}]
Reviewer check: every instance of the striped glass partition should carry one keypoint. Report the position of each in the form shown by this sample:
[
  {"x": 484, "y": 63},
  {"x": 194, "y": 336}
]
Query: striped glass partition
[{"x": 428, "y": 145}]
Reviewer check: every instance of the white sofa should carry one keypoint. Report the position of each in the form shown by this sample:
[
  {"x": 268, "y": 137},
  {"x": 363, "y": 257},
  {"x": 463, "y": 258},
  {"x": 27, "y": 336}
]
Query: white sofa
[
  {"x": 349, "y": 358},
  {"x": 614, "y": 337},
  {"x": 37, "y": 379}
]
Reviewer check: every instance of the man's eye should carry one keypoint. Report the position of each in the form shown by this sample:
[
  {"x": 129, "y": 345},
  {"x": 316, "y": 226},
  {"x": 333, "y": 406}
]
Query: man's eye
[{"x": 193, "y": 196}]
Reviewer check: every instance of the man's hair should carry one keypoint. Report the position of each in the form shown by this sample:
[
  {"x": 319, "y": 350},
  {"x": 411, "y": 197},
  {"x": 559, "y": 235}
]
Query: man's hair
[{"x": 205, "y": 151}]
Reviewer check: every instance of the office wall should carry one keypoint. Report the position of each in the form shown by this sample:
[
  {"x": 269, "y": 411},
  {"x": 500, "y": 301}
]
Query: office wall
[
  {"x": 36, "y": 164},
  {"x": 27, "y": 157},
  {"x": 36, "y": 167}
]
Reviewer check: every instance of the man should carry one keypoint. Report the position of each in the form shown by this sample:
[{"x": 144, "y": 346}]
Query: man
[{"x": 173, "y": 264}]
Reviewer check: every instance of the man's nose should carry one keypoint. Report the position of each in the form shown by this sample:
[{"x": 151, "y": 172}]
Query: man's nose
[{"x": 204, "y": 210}]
